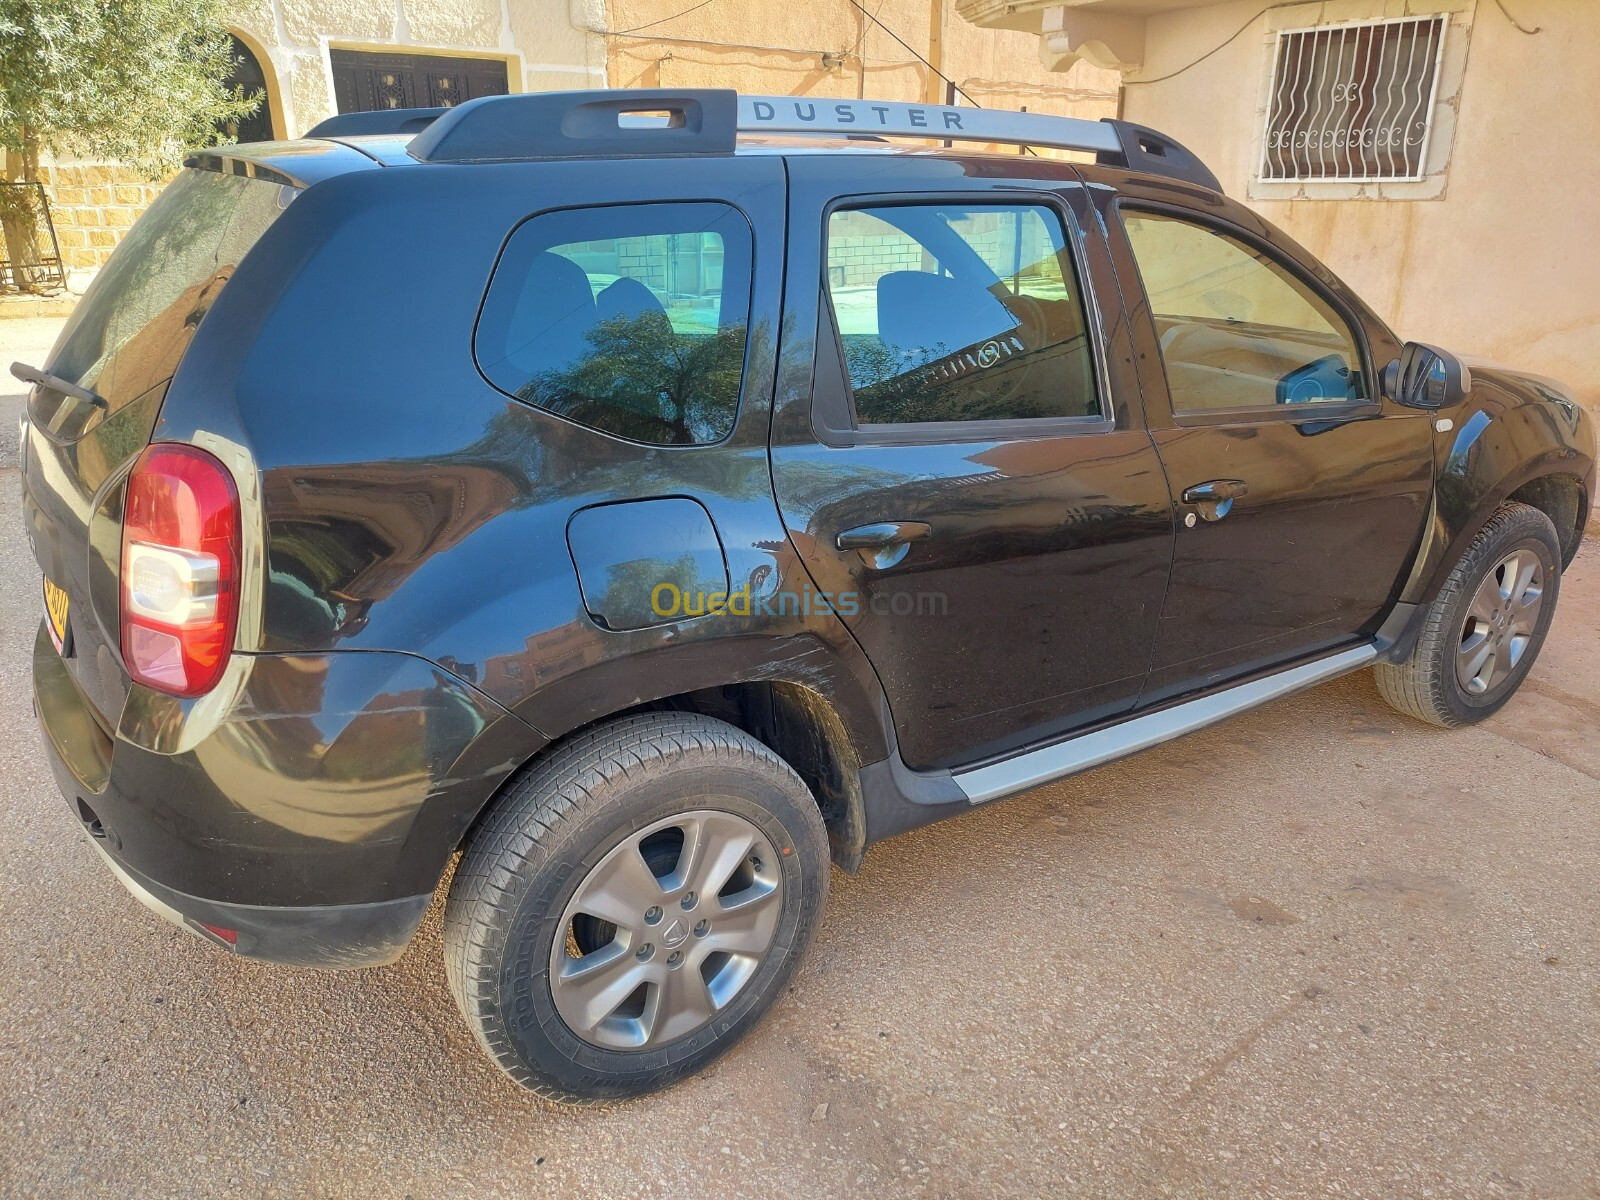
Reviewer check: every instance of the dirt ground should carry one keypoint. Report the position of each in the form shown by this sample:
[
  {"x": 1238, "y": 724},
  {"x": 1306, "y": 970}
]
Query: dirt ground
[{"x": 1320, "y": 949}]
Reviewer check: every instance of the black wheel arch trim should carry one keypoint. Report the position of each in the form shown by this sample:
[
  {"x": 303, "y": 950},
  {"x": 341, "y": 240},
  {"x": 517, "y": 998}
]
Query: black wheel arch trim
[
  {"x": 1482, "y": 461},
  {"x": 810, "y": 696}
]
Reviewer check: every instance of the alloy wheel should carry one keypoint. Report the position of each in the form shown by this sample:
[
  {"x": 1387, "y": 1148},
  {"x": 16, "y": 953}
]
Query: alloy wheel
[
  {"x": 666, "y": 930},
  {"x": 1500, "y": 623}
]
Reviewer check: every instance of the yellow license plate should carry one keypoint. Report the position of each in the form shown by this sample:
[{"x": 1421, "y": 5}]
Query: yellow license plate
[{"x": 55, "y": 612}]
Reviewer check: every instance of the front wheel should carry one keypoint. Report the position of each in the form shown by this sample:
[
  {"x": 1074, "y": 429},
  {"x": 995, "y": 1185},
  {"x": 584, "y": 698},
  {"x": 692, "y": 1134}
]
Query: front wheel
[
  {"x": 1486, "y": 626},
  {"x": 633, "y": 905}
]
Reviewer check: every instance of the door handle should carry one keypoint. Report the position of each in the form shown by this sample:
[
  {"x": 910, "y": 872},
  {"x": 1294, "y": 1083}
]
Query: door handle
[
  {"x": 1214, "y": 490},
  {"x": 883, "y": 534},
  {"x": 884, "y": 543},
  {"x": 1215, "y": 497}
]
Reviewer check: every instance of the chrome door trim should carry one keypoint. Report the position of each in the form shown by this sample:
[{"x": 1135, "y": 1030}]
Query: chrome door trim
[{"x": 982, "y": 784}]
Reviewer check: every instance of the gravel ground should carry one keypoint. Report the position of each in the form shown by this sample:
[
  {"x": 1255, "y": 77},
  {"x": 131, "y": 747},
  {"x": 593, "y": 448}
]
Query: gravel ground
[{"x": 1320, "y": 949}]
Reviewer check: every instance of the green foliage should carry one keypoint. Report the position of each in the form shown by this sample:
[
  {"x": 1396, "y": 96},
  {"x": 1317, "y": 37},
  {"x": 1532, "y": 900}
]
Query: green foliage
[
  {"x": 642, "y": 380},
  {"x": 131, "y": 80}
]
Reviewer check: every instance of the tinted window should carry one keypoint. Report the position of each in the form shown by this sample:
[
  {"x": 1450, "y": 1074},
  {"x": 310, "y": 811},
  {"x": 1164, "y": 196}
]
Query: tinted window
[
  {"x": 135, "y": 321},
  {"x": 1238, "y": 330},
  {"x": 959, "y": 314},
  {"x": 628, "y": 319}
]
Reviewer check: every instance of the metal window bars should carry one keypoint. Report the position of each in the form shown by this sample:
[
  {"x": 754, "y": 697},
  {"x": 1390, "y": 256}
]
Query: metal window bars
[
  {"x": 30, "y": 253},
  {"x": 1353, "y": 103}
]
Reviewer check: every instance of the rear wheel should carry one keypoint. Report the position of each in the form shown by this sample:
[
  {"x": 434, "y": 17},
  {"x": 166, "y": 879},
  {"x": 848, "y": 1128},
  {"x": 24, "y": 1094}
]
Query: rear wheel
[
  {"x": 1485, "y": 629},
  {"x": 633, "y": 905}
]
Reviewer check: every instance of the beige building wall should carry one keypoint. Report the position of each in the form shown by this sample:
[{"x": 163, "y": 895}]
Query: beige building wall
[
  {"x": 1499, "y": 252},
  {"x": 830, "y": 48}
]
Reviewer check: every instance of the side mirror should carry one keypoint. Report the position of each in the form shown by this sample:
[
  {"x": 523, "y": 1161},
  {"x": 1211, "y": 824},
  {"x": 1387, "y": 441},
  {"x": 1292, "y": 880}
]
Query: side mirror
[{"x": 1426, "y": 377}]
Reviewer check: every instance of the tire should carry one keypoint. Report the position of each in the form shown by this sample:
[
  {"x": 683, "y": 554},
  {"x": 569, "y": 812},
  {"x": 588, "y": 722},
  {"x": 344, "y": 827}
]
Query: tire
[
  {"x": 1429, "y": 685},
  {"x": 526, "y": 914}
]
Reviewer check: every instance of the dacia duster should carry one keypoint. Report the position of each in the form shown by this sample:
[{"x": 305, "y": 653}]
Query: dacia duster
[{"x": 649, "y": 497}]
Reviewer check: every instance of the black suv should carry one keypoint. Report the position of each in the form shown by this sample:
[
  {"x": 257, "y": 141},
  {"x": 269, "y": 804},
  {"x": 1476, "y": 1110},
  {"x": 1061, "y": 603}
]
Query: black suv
[{"x": 648, "y": 514}]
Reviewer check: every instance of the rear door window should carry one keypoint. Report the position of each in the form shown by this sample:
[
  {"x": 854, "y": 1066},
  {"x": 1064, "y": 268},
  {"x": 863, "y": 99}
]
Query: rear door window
[
  {"x": 953, "y": 313},
  {"x": 627, "y": 319}
]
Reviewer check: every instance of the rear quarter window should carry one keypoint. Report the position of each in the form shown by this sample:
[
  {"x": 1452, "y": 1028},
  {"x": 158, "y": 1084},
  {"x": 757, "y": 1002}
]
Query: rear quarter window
[{"x": 628, "y": 319}]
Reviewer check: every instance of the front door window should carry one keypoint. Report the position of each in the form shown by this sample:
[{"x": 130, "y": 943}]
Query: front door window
[{"x": 1239, "y": 330}]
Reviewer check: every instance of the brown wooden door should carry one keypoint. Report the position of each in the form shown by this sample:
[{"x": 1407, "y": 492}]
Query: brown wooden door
[{"x": 364, "y": 82}]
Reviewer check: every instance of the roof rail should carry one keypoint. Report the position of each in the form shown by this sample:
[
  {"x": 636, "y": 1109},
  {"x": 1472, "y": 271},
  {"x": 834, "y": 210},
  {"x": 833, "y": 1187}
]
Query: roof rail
[
  {"x": 650, "y": 122},
  {"x": 383, "y": 120},
  {"x": 1114, "y": 143}
]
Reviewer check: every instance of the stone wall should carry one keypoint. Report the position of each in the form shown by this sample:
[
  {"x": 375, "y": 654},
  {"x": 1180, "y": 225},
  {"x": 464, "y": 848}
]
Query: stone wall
[
  {"x": 92, "y": 206},
  {"x": 855, "y": 259},
  {"x": 545, "y": 44}
]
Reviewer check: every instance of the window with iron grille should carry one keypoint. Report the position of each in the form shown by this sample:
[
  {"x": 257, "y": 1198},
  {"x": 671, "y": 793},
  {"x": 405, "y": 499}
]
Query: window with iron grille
[{"x": 1353, "y": 103}]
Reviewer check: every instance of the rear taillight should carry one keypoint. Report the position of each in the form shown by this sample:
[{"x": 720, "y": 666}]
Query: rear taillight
[{"x": 180, "y": 569}]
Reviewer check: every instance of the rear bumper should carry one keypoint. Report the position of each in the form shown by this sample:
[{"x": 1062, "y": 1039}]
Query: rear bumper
[
  {"x": 335, "y": 936},
  {"x": 307, "y": 806}
]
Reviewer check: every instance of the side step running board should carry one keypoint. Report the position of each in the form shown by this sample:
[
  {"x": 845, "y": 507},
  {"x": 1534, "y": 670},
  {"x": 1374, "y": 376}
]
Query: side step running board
[{"x": 1041, "y": 766}]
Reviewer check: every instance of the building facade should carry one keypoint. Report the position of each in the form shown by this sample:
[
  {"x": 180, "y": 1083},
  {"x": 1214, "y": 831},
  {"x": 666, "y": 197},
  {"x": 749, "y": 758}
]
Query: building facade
[
  {"x": 912, "y": 50},
  {"x": 1437, "y": 154},
  {"x": 314, "y": 58}
]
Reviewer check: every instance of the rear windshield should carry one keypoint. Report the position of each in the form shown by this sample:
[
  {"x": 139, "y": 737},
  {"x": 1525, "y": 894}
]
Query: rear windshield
[{"x": 134, "y": 323}]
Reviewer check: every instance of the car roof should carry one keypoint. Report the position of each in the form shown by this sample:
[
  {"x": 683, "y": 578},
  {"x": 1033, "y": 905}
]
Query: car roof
[
  {"x": 653, "y": 124},
  {"x": 639, "y": 124}
]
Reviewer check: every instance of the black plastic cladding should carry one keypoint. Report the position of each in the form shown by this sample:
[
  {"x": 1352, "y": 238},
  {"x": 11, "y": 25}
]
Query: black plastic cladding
[{"x": 1153, "y": 153}]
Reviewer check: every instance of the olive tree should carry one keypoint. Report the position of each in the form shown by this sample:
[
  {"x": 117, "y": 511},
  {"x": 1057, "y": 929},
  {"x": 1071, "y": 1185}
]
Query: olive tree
[{"x": 131, "y": 80}]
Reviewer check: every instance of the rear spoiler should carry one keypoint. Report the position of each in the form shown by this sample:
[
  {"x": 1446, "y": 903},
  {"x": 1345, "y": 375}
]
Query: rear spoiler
[{"x": 383, "y": 120}]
